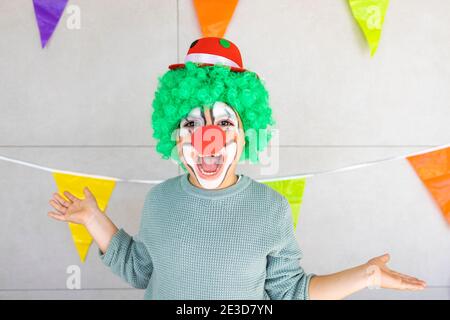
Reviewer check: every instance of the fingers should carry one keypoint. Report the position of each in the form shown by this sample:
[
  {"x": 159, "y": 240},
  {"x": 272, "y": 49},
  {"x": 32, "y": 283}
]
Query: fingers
[
  {"x": 71, "y": 196},
  {"x": 404, "y": 275},
  {"x": 385, "y": 258},
  {"x": 88, "y": 193},
  {"x": 56, "y": 216},
  {"x": 408, "y": 280},
  {"x": 61, "y": 205},
  {"x": 59, "y": 208},
  {"x": 396, "y": 280},
  {"x": 63, "y": 202},
  {"x": 411, "y": 284}
]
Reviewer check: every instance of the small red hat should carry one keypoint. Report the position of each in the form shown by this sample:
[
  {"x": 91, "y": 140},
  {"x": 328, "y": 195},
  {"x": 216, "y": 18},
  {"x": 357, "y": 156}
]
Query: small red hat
[{"x": 212, "y": 50}]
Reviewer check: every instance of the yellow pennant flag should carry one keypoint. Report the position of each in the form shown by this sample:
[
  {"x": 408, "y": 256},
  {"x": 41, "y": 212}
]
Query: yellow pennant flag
[
  {"x": 370, "y": 16},
  {"x": 100, "y": 188},
  {"x": 214, "y": 16},
  {"x": 292, "y": 190}
]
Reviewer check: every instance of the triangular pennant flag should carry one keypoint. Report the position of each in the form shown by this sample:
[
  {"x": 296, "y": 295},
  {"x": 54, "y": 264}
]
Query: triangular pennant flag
[
  {"x": 48, "y": 13},
  {"x": 214, "y": 16},
  {"x": 370, "y": 16},
  {"x": 433, "y": 168},
  {"x": 292, "y": 190},
  {"x": 102, "y": 190}
]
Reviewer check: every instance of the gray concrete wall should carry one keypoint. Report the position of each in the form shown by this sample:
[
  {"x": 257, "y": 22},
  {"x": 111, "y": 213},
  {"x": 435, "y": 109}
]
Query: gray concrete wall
[{"x": 83, "y": 104}]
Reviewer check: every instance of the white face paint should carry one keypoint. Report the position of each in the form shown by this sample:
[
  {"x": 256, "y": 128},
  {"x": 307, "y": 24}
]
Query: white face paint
[{"x": 210, "y": 169}]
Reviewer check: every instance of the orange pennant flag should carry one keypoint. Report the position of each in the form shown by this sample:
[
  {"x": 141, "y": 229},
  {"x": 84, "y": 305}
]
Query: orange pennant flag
[
  {"x": 433, "y": 168},
  {"x": 214, "y": 16}
]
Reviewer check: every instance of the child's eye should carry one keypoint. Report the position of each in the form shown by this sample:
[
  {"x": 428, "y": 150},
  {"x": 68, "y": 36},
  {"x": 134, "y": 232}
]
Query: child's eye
[
  {"x": 189, "y": 124},
  {"x": 225, "y": 123}
]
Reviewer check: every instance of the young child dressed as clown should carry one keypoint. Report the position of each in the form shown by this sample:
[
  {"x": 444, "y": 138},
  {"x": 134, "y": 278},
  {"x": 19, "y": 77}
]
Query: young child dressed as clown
[{"x": 210, "y": 233}]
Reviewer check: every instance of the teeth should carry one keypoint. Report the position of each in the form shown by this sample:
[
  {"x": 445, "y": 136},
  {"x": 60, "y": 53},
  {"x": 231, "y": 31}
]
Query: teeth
[
  {"x": 210, "y": 160},
  {"x": 219, "y": 154}
]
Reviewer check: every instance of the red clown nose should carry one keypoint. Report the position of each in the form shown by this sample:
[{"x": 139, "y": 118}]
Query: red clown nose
[{"x": 208, "y": 140}]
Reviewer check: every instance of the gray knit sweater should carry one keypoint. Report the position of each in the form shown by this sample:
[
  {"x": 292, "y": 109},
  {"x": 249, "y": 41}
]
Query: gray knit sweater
[{"x": 194, "y": 243}]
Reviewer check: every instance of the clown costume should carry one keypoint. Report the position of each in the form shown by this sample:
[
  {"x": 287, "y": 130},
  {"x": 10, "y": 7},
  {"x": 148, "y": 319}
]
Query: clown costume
[{"x": 210, "y": 233}]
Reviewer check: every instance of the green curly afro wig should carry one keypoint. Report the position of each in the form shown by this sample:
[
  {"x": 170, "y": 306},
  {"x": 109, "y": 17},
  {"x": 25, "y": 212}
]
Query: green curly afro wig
[{"x": 181, "y": 90}]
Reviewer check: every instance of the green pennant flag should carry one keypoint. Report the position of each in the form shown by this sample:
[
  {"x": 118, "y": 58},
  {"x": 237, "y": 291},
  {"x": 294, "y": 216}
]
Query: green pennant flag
[
  {"x": 292, "y": 190},
  {"x": 370, "y": 16}
]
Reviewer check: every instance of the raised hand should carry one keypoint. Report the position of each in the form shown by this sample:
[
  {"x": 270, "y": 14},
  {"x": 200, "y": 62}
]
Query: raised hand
[
  {"x": 381, "y": 276},
  {"x": 75, "y": 210}
]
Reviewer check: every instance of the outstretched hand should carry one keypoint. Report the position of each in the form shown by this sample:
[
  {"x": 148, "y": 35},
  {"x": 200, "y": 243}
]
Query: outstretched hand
[
  {"x": 382, "y": 277},
  {"x": 373, "y": 274},
  {"x": 75, "y": 210}
]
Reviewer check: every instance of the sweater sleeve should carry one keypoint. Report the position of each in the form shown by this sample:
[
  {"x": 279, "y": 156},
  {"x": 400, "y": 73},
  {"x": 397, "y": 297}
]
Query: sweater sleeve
[
  {"x": 128, "y": 256},
  {"x": 285, "y": 278}
]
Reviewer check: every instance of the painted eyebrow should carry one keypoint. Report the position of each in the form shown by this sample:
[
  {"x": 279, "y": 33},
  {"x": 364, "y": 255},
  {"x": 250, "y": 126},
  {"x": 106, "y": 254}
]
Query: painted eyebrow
[
  {"x": 192, "y": 118},
  {"x": 188, "y": 118},
  {"x": 196, "y": 116},
  {"x": 228, "y": 116},
  {"x": 227, "y": 113}
]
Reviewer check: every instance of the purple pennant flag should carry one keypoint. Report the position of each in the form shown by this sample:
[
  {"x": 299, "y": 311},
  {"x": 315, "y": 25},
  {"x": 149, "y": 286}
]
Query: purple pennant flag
[{"x": 48, "y": 13}]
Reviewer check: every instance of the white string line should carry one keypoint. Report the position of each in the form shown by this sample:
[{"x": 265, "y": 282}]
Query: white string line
[
  {"x": 32, "y": 165},
  {"x": 305, "y": 175},
  {"x": 356, "y": 166}
]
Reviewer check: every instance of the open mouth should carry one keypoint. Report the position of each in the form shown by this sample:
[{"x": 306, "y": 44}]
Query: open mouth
[{"x": 209, "y": 166}]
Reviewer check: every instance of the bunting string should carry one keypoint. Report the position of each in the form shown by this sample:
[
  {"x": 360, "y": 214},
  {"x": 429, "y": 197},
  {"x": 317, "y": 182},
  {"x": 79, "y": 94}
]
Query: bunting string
[
  {"x": 432, "y": 165},
  {"x": 296, "y": 176}
]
